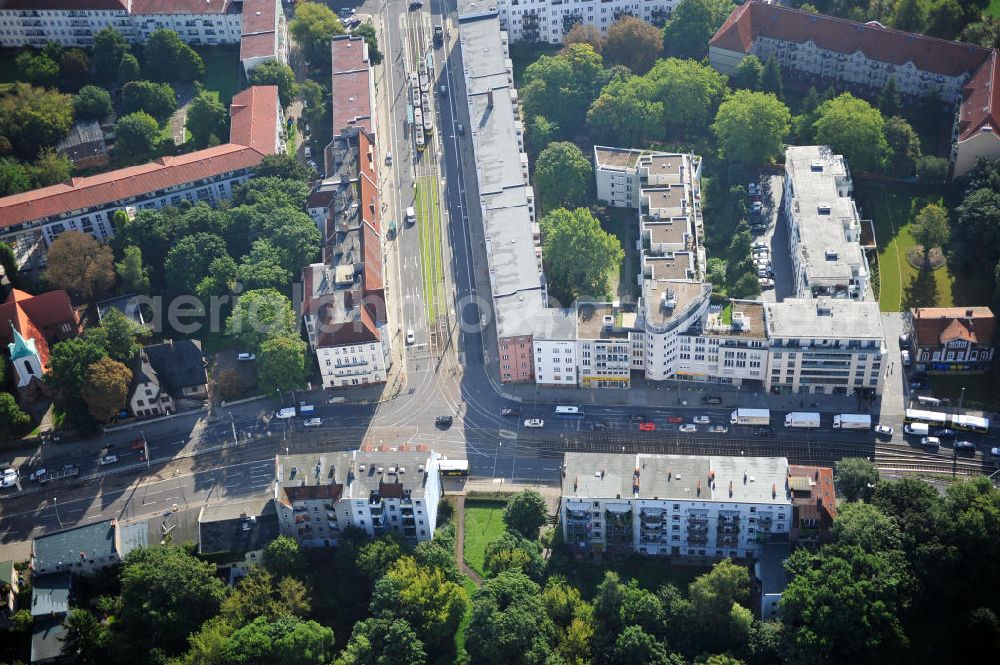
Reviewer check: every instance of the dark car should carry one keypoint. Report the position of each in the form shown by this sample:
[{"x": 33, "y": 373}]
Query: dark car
[
  {"x": 438, "y": 36},
  {"x": 945, "y": 434},
  {"x": 597, "y": 427},
  {"x": 443, "y": 421},
  {"x": 763, "y": 431},
  {"x": 510, "y": 412},
  {"x": 636, "y": 417},
  {"x": 965, "y": 446},
  {"x": 711, "y": 399}
]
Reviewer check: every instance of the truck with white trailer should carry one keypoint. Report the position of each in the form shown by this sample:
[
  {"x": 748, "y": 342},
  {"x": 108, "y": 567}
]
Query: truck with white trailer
[
  {"x": 759, "y": 417},
  {"x": 802, "y": 419},
  {"x": 852, "y": 421}
]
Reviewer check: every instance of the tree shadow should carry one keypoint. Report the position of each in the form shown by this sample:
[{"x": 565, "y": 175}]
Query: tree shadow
[{"x": 922, "y": 290}]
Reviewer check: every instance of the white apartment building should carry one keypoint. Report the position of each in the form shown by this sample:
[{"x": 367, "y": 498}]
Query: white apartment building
[
  {"x": 825, "y": 346},
  {"x": 674, "y": 505},
  {"x": 31, "y": 220},
  {"x": 820, "y": 50},
  {"x": 610, "y": 345},
  {"x": 209, "y": 22},
  {"x": 388, "y": 490},
  {"x": 550, "y": 20},
  {"x": 731, "y": 348},
  {"x": 555, "y": 362},
  {"x": 616, "y": 175},
  {"x": 824, "y": 226}
]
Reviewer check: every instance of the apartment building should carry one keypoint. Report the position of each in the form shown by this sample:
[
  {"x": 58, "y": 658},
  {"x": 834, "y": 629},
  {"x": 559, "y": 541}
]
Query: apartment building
[
  {"x": 386, "y": 490},
  {"x": 210, "y": 22},
  {"x": 263, "y": 34},
  {"x": 30, "y": 221},
  {"x": 343, "y": 304},
  {"x": 953, "y": 339},
  {"x": 616, "y": 175},
  {"x": 36, "y": 22},
  {"x": 813, "y": 49},
  {"x": 550, "y": 20},
  {"x": 611, "y": 345},
  {"x": 688, "y": 506},
  {"x": 506, "y": 201},
  {"x": 85, "y": 549},
  {"x": 826, "y": 346},
  {"x": 824, "y": 226},
  {"x": 730, "y": 348}
]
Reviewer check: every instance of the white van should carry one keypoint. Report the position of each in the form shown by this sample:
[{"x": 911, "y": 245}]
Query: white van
[
  {"x": 411, "y": 215},
  {"x": 308, "y": 153},
  {"x": 924, "y": 400}
]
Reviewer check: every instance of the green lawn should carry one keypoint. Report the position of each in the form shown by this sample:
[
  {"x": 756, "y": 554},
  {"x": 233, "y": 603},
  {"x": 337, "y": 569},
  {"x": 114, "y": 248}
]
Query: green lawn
[
  {"x": 223, "y": 73},
  {"x": 993, "y": 9},
  {"x": 623, "y": 224},
  {"x": 902, "y": 285},
  {"x": 470, "y": 590},
  {"x": 483, "y": 525},
  {"x": 650, "y": 573},
  {"x": 428, "y": 209}
]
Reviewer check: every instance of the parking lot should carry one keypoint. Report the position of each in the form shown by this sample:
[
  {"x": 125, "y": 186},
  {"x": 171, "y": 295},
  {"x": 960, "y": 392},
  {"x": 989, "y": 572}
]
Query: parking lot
[{"x": 774, "y": 237}]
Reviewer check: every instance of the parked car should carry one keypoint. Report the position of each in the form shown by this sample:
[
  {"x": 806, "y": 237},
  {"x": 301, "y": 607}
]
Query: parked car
[
  {"x": 246, "y": 356},
  {"x": 701, "y": 420},
  {"x": 759, "y": 244},
  {"x": 9, "y": 478},
  {"x": 443, "y": 421},
  {"x": 409, "y": 336},
  {"x": 388, "y": 159},
  {"x": 945, "y": 434},
  {"x": 675, "y": 420},
  {"x": 763, "y": 431},
  {"x": 534, "y": 423},
  {"x": 510, "y": 412},
  {"x": 416, "y": 4},
  {"x": 766, "y": 284},
  {"x": 109, "y": 459},
  {"x": 461, "y": 129},
  {"x": 711, "y": 399},
  {"x": 994, "y": 452},
  {"x": 883, "y": 431},
  {"x": 688, "y": 428},
  {"x": 647, "y": 427},
  {"x": 906, "y": 358},
  {"x": 718, "y": 429},
  {"x": 753, "y": 189},
  {"x": 965, "y": 446},
  {"x": 597, "y": 427},
  {"x": 36, "y": 475},
  {"x": 930, "y": 442},
  {"x": 313, "y": 422}
]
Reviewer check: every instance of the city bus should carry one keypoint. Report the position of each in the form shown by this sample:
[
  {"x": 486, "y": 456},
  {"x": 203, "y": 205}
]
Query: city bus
[
  {"x": 454, "y": 467},
  {"x": 931, "y": 418},
  {"x": 971, "y": 423},
  {"x": 568, "y": 412}
]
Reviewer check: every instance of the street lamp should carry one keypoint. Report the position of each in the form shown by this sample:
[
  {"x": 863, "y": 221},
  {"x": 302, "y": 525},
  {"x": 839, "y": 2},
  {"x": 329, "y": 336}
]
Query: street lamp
[
  {"x": 961, "y": 400},
  {"x": 55, "y": 506},
  {"x": 496, "y": 455}
]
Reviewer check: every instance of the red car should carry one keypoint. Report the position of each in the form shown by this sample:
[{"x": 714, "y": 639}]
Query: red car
[
  {"x": 647, "y": 427},
  {"x": 675, "y": 420},
  {"x": 138, "y": 444}
]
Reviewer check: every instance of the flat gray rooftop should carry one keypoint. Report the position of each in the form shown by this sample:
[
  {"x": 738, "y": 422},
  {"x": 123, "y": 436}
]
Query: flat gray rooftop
[
  {"x": 616, "y": 159},
  {"x": 687, "y": 477},
  {"x": 824, "y": 318},
  {"x": 356, "y": 473}
]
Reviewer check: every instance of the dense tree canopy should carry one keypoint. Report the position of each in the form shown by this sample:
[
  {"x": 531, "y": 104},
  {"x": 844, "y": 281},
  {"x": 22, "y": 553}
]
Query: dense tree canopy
[
  {"x": 275, "y": 72},
  {"x": 856, "y": 478},
  {"x": 561, "y": 87},
  {"x": 752, "y": 127},
  {"x": 281, "y": 364},
  {"x": 167, "y": 58},
  {"x": 156, "y": 99},
  {"x": 259, "y": 315},
  {"x": 692, "y": 23},
  {"x": 80, "y": 264},
  {"x": 854, "y": 129},
  {"x": 106, "y": 388},
  {"x": 136, "y": 134},
  {"x": 109, "y": 49},
  {"x": 13, "y": 421},
  {"x": 509, "y": 623},
  {"x": 32, "y": 117},
  {"x": 634, "y": 43},
  {"x": 92, "y": 103},
  {"x": 579, "y": 255},
  {"x": 206, "y": 119},
  {"x": 564, "y": 176},
  {"x": 313, "y": 26},
  {"x": 526, "y": 513}
]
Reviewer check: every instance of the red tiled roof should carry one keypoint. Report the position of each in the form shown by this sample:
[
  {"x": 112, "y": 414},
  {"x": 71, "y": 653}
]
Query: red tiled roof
[
  {"x": 929, "y": 54},
  {"x": 259, "y": 45},
  {"x": 32, "y": 315},
  {"x": 933, "y": 325},
  {"x": 350, "y": 92},
  {"x": 93, "y": 5},
  {"x": 259, "y": 27},
  {"x": 183, "y": 7},
  {"x": 823, "y": 494},
  {"x": 254, "y": 121},
  {"x": 373, "y": 260},
  {"x": 253, "y": 117},
  {"x": 981, "y": 100}
]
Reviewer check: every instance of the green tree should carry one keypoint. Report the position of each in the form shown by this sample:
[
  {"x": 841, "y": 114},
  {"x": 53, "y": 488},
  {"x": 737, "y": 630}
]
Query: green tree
[
  {"x": 136, "y": 134},
  {"x": 74, "y": 68},
  {"x": 188, "y": 262},
  {"x": 867, "y": 526},
  {"x": 166, "y": 595},
  {"x": 284, "y": 167},
  {"x": 50, "y": 168},
  {"x": 563, "y": 176},
  {"x": 129, "y": 69},
  {"x": 383, "y": 642},
  {"x": 932, "y": 170},
  {"x": 908, "y": 15},
  {"x": 713, "y": 594},
  {"x": 294, "y": 234},
  {"x": 68, "y": 365},
  {"x": 438, "y": 555},
  {"x": 262, "y": 269},
  {"x": 133, "y": 275},
  {"x": 513, "y": 552},
  {"x": 856, "y": 478},
  {"x": 561, "y": 87},
  {"x": 634, "y": 43},
  {"x": 259, "y": 315},
  {"x": 260, "y": 594},
  {"x": 378, "y": 556},
  {"x": 509, "y": 623},
  {"x": 931, "y": 229},
  {"x": 889, "y": 100},
  {"x": 367, "y": 31},
  {"x": 431, "y": 604},
  {"x": 752, "y": 127},
  {"x": 541, "y": 132},
  {"x": 14, "y": 177},
  {"x": 770, "y": 79},
  {"x": 38, "y": 69},
  {"x": 32, "y": 118},
  {"x": 622, "y": 113},
  {"x": 692, "y": 23},
  {"x": 904, "y": 147},
  {"x": 749, "y": 74},
  {"x": 584, "y": 33},
  {"x": 579, "y": 255},
  {"x": 106, "y": 388},
  {"x": 985, "y": 32},
  {"x": 854, "y": 129},
  {"x": 92, "y": 103},
  {"x": 220, "y": 280},
  {"x": 167, "y": 58},
  {"x": 121, "y": 333},
  {"x": 13, "y": 421},
  {"x": 86, "y": 640},
  {"x": 312, "y": 28},
  {"x": 634, "y": 646},
  {"x": 526, "y": 513},
  {"x": 740, "y": 263},
  {"x": 286, "y": 639},
  {"x": 689, "y": 91},
  {"x": 109, "y": 49},
  {"x": 845, "y": 605},
  {"x": 8, "y": 263},
  {"x": 282, "y": 364},
  {"x": 206, "y": 118},
  {"x": 275, "y": 72},
  {"x": 80, "y": 264},
  {"x": 156, "y": 99},
  {"x": 284, "y": 558}
]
